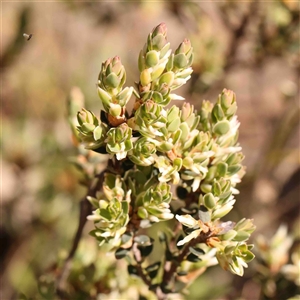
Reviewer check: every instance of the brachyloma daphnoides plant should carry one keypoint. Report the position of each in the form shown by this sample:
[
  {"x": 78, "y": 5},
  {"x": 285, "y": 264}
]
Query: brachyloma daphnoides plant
[{"x": 170, "y": 167}]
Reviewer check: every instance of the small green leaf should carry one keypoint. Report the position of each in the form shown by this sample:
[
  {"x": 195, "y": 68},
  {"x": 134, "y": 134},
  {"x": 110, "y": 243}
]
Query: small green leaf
[
  {"x": 141, "y": 61},
  {"x": 152, "y": 58},
  {"x": 204, "y": 214},
  {"x": 229, "y": 235},
  {"x": 182, "y": 273},
  {"x": 87, "y": 127},
  {"x": 209, "y": 201},
  {"x": 132, "y": 270},
  {"x": 145, "y": 77},
  {"x": 157, "y": 97},
  {"x": 174, "y": 125},
  {"x": 250, "y": 247},
  {"x": 231, "y": 110},
  {"x": 193, "y": 258},
  {"x": 167, "y": 78},
  {"x": 221, "y": 169},
  {"x": 145, "y": 250},
  {"x": 241, "y": 236},
  {"x": 142, "y": 212},
  {"x": 216, "y": 189},
  {"x": 231, "y": 159},
  {"x": 206, "y": 187},
  {"x": 126, "y": 237},
  {"x": 112, "y": 80},
  {"x": 248, "y": 256},
  {"x": 233, "y": 169},
  {"x": 120, "y": 253},
  {"x": 162, "y": 237},
  {"x": 165, "y": 146},
  {"x": 153, "y": 269},
  {"x": 97, "y": 133},
  {"x": 125, "y": 207},
  {"x": 197, "y": 251},
  {"x": 158, "y": 42},
  {"x": 218, "y": 112},
  {"x": 164, "y": 50},
  {"x": 180, "y": 61},
  {"x": 180, "y": 237},
  {"x": 143, "y": 240},
  {"x": 222, "y": 127},
  {"x": 105, "y": 214},
  {"x": 157, "y": 71},
  {"x": 170, "y": 63}
]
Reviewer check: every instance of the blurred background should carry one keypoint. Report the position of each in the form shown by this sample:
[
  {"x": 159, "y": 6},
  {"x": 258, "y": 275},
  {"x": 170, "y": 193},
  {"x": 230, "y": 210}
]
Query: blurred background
[{"x": 251, "y": 48}]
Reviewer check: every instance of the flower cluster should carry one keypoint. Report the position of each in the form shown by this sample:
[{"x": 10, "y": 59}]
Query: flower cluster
[
  {"x": 111, "y": 215},
  {"x": 155, "y": 147}
]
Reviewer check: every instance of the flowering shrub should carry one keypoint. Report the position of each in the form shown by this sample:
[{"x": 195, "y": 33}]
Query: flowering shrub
[{"x": 168, "y": 165}]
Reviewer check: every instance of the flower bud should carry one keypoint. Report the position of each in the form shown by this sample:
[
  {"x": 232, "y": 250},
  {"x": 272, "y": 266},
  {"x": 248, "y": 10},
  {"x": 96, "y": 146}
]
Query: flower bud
[
  {"x": 86, "y": 117},
  {"x": 183, "y": 55},
  {"x": 168, "y": 170},
  {"x": 228, "y": 102},
  {"x": 143, "y": 152},
  {"x": 119, "y": 140},
  {"x": 150, "y": 118},
  {"x": 112, "y": 76},
  {"x": 158, "y": 37},
  {"x": 90, "y": 129},
  {"x": 110, "y": 82},
  {"x": 184, "y": 47},
  {"x": 160, "y": 29},
  {"x": 188, "y": 116},
  {"x": 227, "y": 98},
  {"x": 154, "y": 203}
]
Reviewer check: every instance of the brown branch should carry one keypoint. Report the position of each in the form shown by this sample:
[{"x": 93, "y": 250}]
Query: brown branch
[
  {"x": 168, "y": 274},
  {"x": 85, "y": 210},
  {"x": 139, "y": 268}
]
